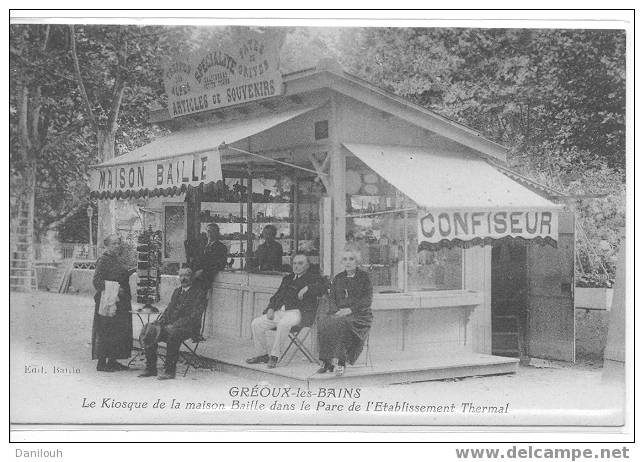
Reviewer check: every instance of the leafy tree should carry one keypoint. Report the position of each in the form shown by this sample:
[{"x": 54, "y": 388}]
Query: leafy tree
[
  {"x": 44, "y": 165},
  {"x": 556, "y": 98}
]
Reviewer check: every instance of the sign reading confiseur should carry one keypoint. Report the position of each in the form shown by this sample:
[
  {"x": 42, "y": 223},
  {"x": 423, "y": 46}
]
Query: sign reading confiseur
[
  {"x": 244, "y": 71},
  {"x": 435, "y": 226}
]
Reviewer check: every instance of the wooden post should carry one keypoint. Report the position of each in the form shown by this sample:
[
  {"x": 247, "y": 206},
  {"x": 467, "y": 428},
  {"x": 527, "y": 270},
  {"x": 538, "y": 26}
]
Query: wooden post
[
  {"x": 405, "y": 282},
  {"x": 295, "y": 215},
  {"x": 193, "y": 221},
  {"x": 249, "y": 219},
  {"x": 337, "y": 171}
]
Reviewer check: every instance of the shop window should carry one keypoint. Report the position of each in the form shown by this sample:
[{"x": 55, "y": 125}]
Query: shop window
[
  {"x": 288, "y": 205},
  {"x": 174, "y": 232},
  {"x": 322, "y": 130},
  {"x": 381, "y": 224},
  {"x": 380, "y": 241},
  {"x": 435, "y": 270}
]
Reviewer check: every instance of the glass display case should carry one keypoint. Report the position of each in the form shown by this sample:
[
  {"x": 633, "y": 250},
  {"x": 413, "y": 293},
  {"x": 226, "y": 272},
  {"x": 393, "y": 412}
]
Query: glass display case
[{"x": 242, "y": 207}]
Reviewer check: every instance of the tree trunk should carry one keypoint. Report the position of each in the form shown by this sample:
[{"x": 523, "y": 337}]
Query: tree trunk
[
  {"x": 24, "y": 197},
  {"x": 105, "y": 140},
  {"x": 106, "y": 208}
]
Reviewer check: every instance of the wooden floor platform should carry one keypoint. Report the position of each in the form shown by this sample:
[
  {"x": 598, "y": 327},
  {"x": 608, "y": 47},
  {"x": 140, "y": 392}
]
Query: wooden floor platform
[{"x": 230, "y": 356}]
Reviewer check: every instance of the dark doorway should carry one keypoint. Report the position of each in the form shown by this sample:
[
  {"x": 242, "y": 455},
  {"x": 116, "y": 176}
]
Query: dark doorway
[
  {"x": 550, "y": 329},
  {"x": 509, "y": 301}
]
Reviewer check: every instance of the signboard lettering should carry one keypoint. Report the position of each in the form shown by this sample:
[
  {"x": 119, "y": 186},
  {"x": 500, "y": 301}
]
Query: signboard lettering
[
  {"x": 192, "y": 169},
  {"x": 237, "y": 73},
  {"x": 465, "y": 225}
]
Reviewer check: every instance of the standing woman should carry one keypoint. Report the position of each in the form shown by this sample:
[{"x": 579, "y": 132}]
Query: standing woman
[
  {"x": 342, "y": 334},
  {"x": 112, "y": 336}
]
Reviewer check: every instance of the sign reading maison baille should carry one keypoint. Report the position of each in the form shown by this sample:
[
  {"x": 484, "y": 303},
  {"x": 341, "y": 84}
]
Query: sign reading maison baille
[
  {"x": 246, "y": 70},
  {"x": 189, "y": 169}
]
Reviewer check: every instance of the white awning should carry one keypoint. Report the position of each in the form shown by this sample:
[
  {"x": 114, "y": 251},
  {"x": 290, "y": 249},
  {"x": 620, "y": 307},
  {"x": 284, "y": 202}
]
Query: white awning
[
  {"x": 466, "y": 200},
  {"x": 186, "y": 158}
]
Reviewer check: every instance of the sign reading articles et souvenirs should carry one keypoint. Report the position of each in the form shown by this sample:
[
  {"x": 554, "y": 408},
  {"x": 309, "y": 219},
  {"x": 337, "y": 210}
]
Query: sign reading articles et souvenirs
[{"x": 236, "y": 73}]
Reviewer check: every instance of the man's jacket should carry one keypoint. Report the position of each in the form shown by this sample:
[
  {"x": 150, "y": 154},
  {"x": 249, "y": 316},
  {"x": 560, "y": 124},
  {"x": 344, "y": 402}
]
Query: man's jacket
[
  {"x": 286, "y": 295},
  {"x": 212, "y": 259},
  {"x": 185, "y": 309}
]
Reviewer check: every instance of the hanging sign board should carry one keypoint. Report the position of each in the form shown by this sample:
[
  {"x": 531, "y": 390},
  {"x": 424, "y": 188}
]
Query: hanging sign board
[
  {"x": 191, "y": 169},
  {"x": 247, "y": 69},
  {"x": 436, "y": 226}
]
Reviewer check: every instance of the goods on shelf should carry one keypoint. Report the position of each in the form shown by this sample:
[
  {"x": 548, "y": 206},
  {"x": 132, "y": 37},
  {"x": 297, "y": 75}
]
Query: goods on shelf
[
  {"x": 149, "y": 244},
  {"x": 206, "y": 217}
]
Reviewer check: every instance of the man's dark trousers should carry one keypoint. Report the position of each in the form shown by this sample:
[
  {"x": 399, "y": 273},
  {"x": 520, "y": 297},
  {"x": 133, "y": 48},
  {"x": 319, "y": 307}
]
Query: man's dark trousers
[
  {"x": 180, "y": 321},
  {"x": 173, "y": 336}
]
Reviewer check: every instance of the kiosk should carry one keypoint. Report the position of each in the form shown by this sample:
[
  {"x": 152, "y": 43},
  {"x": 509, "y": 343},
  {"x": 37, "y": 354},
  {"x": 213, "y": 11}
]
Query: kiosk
[{"x": 330, "y": 158}]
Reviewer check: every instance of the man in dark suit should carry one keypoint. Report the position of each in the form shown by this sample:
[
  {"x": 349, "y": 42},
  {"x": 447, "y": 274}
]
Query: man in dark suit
[
  {"x": 181, "y": 320},
  {"x": 268, "y": 256},
  {"x": 294, "y": 302},
  {"x": 212, "y": 260}
]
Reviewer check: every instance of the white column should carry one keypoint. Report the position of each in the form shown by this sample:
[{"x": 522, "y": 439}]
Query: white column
[{"x": 338, "y": 169}]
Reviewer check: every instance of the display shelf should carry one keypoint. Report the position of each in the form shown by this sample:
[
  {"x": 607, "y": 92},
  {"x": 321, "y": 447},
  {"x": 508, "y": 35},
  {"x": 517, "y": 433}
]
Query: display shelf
[
  {"x": 233, "y": 239},
  {"x": 220, "y": 222},
  {"x": 259, "y": 206},
  {"x": 254, "y": 222},
  {"x": 282, "y": 222},
  {"x": 149, "y": 244}
]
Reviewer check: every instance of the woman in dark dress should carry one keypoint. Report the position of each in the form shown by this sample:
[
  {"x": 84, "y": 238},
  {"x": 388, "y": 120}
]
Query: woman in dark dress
[
  {"x": 341, "y": 334},
  {"x": 112, "y": 336}
]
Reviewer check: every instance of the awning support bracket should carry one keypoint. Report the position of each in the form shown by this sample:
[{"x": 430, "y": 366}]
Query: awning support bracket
[
  {"x": 224, "y": 146},
  {"x": 320, "y": 169},
  {"x": 369, "y": 214}
]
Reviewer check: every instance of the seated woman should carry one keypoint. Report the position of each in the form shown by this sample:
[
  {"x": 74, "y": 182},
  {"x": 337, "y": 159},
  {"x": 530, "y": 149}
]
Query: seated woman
[{"x": 342, "y": 333}]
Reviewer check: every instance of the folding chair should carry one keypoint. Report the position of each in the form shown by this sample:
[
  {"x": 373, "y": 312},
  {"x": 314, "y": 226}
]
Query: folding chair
[
  {"x": 297, "y": 337},
  {"x": 298, "y": 334},
  {"x": 191, "y": 358},
  {"x": 367, "y": 351}
]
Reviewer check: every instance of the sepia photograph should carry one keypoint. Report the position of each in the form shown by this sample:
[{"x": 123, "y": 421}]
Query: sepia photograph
[{"x": 317, "y": 226}]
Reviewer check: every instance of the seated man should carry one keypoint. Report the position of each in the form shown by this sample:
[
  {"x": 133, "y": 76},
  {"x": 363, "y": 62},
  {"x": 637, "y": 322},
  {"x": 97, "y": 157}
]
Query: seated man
[
  {"x": 181, "y": 320},
  {"x": 295, "y": 301}
]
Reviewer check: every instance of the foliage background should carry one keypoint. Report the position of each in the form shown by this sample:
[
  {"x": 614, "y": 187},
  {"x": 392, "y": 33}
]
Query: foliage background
[{"x": 555, "y": 98}]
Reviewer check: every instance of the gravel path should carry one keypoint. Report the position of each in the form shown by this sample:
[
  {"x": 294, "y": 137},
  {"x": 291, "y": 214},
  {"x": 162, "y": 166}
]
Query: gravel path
[{"x": 53, "y": 331}]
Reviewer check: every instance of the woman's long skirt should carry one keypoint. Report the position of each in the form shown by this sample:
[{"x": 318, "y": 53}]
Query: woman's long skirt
[
  {"x": 112, "y": 336},
  {"x": 343, "y": 337}
]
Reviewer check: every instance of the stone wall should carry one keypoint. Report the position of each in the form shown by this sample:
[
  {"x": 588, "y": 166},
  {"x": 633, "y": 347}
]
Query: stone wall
[{"x": 46, "y": 275}]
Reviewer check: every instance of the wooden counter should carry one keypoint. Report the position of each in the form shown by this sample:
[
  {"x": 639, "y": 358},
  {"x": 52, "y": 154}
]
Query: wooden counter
[
  {"x": 416, "y": 321},
  {"x": 237, "y": 298}
]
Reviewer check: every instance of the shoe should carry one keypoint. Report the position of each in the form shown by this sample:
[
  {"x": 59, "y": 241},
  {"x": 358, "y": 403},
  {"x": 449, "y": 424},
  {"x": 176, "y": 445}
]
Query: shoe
[
  {"x": 257, "y": 359},
  {"x": 326, "y": 367},
  {"x": 166, "y": 376},
  {"x": 104, "y": 368},
  {"x": 272, "y": 362},
  {"x": 339, "y": 371},
  {"x": 117, "y": 366},
  {"x": 147, "y": 373}
]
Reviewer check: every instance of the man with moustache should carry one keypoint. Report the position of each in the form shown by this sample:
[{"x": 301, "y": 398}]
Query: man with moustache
[{"x": 181, "y": 320}]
